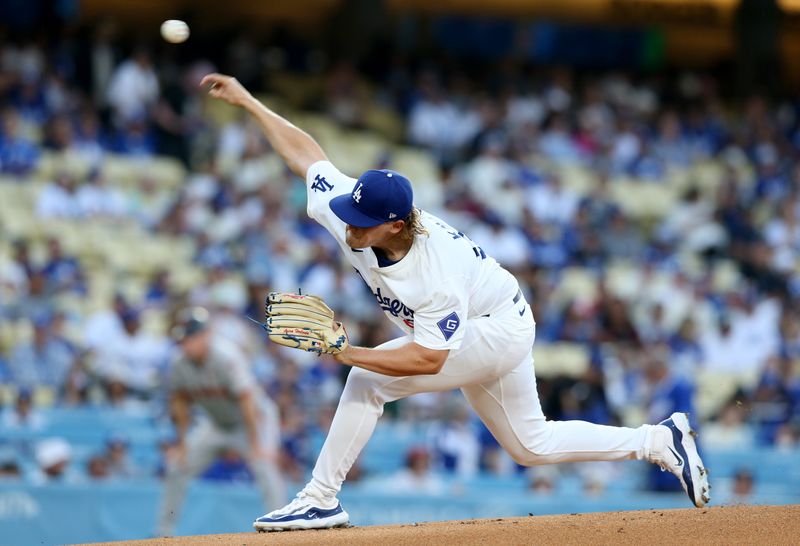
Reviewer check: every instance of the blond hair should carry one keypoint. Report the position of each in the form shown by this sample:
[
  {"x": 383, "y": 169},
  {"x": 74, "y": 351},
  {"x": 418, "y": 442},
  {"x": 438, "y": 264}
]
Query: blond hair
[{"x": 413, "y": 225}]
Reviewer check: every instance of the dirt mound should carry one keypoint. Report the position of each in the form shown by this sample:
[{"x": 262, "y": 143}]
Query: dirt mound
[{"x": 716, "y": 525}]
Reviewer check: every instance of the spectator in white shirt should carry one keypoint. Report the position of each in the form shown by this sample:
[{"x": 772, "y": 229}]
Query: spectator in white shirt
[
  {"x": 95, "y": 199},
  {"x": 122, "y": 351},
  {"x": 438, "y": 123},
  {"x": 551, "y": 203},
  {"x": 58, "y": 199},
  {"x": 133, "y": 88},
  {"x": 53, "y": 459},
  {"x": 557, "y": 142},
  {"x": 783, "y": 235},
  {"x": 506, "y": 244}
]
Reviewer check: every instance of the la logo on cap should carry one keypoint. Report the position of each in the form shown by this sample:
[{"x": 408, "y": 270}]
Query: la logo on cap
[{"x": 379, "y": 196}]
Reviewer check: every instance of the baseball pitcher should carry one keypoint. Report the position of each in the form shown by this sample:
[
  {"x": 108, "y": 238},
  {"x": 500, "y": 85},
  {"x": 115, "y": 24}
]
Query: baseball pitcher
[
  {"x": 212, "y": 373},
  {"x": 468, "y": 326}
]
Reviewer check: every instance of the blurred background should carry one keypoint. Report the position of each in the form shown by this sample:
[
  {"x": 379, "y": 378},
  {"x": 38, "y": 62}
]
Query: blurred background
[{"x": 633, "y": 162}]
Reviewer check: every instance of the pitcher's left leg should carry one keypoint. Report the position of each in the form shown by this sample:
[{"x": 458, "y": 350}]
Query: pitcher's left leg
[{"x": 510, "y": 408}]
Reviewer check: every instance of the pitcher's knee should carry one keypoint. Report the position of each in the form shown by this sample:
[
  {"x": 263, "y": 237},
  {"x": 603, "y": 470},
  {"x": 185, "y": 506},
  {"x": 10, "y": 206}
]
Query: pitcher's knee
[
  {"x": 534, "y": 450},
  {"x": 527, "y": 457}
]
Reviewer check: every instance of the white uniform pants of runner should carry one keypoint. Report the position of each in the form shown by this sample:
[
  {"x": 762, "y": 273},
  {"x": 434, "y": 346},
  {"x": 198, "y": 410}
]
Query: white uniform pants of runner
[
  {"x": 494, "y": 369},
  {"x": 203, "y": 444}
]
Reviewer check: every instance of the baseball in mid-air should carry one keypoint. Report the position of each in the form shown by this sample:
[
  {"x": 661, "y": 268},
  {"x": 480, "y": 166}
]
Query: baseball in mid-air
[{"x": 174, "y": 31}]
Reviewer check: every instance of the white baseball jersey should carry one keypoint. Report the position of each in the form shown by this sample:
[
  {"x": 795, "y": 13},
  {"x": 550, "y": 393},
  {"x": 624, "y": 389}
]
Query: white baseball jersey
[{"x": 443, "y": 280}]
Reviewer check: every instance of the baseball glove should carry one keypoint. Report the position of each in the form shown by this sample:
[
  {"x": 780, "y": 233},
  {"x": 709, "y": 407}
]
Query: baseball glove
[{"x": 303, "y": 322}]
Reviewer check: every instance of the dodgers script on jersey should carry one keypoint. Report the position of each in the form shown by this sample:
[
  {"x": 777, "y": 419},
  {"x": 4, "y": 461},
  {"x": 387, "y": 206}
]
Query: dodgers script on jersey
[{"x": 444, "y": 279}]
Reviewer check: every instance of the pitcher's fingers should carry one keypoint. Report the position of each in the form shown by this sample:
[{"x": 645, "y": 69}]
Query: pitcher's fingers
[{"x": 213, "y": 79}]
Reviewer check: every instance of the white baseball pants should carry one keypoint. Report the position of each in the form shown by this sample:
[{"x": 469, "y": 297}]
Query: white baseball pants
[{"x": 494, "y": 369}]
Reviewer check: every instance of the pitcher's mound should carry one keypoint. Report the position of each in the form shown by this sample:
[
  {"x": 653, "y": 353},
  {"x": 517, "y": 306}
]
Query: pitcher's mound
[{"x": 715, "y": 525}]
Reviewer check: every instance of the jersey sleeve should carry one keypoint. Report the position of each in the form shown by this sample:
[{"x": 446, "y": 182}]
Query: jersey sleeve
[
  {"x": 324, "y": 182},
  {"x": 441, "y": 322}
]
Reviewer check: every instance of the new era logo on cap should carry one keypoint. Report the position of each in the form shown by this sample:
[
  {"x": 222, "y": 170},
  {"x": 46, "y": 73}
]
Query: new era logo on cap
[{"x": 379, "y": 196}]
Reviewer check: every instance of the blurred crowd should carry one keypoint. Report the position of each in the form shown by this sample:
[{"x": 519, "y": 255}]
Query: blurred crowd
[{"x": 501, "y": 142}]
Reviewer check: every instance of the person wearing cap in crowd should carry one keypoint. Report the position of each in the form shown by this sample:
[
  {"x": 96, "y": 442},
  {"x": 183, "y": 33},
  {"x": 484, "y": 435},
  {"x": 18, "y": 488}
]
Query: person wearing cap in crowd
[
  {"x": 210, "y": 371},
  {"x": 130, "y": 354},
  {"x": 23, "y": 415},
  {"x": 9, "y": 467},
  {"x": 53, "y": 458},
  {"x": 42, "y": 361},
  {"x": 117, "y": 457},
  {"x": 467, "y": 326}
]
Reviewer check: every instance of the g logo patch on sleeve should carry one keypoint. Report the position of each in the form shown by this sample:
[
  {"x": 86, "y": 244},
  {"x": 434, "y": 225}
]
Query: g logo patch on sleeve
[{"x": 448, "y": 325}]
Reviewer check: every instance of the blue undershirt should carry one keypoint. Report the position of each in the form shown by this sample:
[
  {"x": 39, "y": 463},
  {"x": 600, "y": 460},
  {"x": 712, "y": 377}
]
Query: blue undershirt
[{"x": 383, "y": 261}]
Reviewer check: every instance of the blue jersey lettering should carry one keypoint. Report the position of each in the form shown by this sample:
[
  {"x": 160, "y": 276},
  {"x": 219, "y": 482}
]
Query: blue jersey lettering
[{"x": 320, "y": 184}]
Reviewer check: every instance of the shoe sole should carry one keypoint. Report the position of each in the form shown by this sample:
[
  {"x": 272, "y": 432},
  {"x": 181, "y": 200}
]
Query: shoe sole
[
  {"x": 701, "y": 489},
  {"x": 339, "y": 520},
  {"x": 290, "y": 529}
]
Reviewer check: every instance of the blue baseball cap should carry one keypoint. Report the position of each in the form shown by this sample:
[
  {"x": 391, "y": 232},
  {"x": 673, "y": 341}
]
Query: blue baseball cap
[{"x": 379, "y": 196}]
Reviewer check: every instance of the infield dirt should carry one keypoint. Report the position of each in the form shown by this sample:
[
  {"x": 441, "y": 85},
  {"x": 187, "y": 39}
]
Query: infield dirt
[{"x": 766, "y": 525}]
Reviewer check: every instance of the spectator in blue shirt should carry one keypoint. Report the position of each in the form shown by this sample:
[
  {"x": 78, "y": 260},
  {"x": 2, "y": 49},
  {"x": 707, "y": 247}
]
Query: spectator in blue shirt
[
  {"x": 5, "y": 374},
  {"x": 63, "y": 273},
  {"x": 29, "y": 100},
  {"x": 665, "y": 394},
  {"x": 229, "y": 467},
  {"x": 18, "y": 155},
  {"x": 42, "y": 361},
  {"x": 775, "y": 399}
]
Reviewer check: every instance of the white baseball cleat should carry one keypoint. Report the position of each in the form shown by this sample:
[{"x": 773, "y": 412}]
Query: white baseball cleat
[
  {"x": 678, "y": 454},
  {"x": 304, "y": 512}
]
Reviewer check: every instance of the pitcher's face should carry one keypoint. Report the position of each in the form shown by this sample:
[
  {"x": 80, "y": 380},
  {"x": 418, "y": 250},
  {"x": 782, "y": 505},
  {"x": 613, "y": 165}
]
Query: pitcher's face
[{"x": 357, "y": 237}]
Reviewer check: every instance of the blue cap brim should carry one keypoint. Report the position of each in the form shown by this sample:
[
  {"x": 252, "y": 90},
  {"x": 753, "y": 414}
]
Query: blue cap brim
[{"x": 342, "y": 207}]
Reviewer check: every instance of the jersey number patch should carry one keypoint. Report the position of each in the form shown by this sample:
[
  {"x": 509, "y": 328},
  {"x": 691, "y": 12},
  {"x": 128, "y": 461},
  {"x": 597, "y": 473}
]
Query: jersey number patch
[
  {"x": 448, "y": 325},
  {"x": 320, "y": 184}
]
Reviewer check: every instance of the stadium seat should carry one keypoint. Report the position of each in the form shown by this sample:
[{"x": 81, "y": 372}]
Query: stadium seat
[
  {"x": 643, "y": 200},
  {"x": 725, "y": 276},
  {"x": 577, "y": 178},
  {"x": 576, "y": 284},
  {"x": 416, "y": 164},
  {"x": 560, "y": 359}
]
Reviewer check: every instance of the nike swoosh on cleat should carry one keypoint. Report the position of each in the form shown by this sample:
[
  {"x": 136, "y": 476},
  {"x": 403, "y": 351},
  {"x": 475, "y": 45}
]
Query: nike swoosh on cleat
[{"x": 678, "y": 457}]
